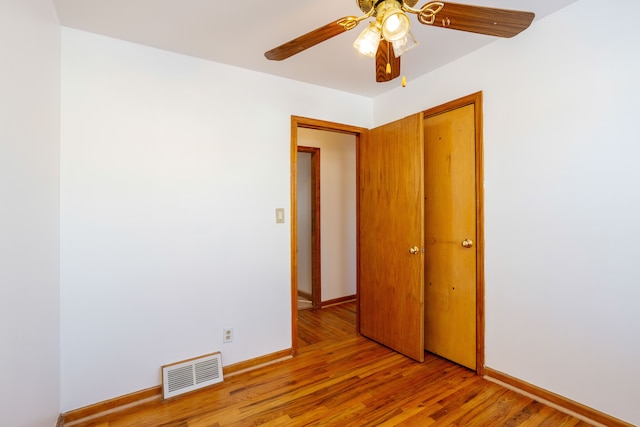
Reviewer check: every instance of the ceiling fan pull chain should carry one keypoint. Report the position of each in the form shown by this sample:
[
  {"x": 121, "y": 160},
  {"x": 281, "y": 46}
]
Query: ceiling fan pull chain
[{"x": 388, "y": 63}]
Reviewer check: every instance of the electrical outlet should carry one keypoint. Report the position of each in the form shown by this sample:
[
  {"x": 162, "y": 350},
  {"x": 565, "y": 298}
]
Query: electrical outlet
[{"x": 227, "y": 335}]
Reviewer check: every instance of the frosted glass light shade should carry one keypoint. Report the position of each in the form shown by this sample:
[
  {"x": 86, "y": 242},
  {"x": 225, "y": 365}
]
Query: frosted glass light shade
[
  {"x": 368, "y": 41},
  {"x": 395, "y": 24},
  {"x": 404, "y": 44}
]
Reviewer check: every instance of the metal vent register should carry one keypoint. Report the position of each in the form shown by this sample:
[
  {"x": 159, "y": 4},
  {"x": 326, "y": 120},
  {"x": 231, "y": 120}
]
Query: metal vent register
[{"x": 192, "y": 374}]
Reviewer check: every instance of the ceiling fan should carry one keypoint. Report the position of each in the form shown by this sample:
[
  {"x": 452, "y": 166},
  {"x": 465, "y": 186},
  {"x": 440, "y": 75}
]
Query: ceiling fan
[{"x": 388, "y": 36}]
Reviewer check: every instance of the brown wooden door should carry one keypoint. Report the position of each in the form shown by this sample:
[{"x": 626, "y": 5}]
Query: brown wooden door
[
  {"x": 391, "y": 218},
  {"x": 450, "y": 220}
]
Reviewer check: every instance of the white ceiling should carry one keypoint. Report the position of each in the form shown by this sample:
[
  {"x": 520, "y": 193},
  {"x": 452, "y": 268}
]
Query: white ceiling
[{"x": 238, "y": 33}]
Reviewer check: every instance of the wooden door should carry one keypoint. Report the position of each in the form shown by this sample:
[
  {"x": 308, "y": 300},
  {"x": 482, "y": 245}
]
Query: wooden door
[
  {"x": 308, "y": 235},
  {"x": 450, "y": 235},
  {"x": 390, "y": 272}
]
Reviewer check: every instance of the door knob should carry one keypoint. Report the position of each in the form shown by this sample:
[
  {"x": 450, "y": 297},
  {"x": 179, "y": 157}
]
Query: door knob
[
  {"x": 414, "y": 250},
  {"x": 466, "y": 243}
]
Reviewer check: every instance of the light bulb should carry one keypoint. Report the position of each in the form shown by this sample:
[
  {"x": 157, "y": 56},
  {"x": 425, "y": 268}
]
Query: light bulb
[
  {"x": 392, "y": 23},
  {"x": 395, "y": 24}
]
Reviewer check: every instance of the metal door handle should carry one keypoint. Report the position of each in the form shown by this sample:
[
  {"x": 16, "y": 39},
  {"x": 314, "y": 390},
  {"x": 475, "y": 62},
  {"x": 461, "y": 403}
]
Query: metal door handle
[
  {"x": 414, "y": 250},
  {"x": 466, "y": 243}
]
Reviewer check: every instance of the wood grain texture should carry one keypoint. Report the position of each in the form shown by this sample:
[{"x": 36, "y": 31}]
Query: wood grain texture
[
  {"x": 343, "y": 379},
  {"x": 309, "y": 123},
  {"x": 391, "y": 289},
  {"x": 316, "y": 252},
  {"x": 556, "y": 399},
  {"x": 306, "y": 41},
  {"x": 483, "y": 20},
  {"x": 340, "y": 300},
  {"x": 385, "y": 55},
  {"x": 84, "y": 415},
  {"x": 475, "y": 99},
  {"x": 266, "y": 359},
  {"x": 450, "y": 218},
  {"x": 131, "y": 399}
]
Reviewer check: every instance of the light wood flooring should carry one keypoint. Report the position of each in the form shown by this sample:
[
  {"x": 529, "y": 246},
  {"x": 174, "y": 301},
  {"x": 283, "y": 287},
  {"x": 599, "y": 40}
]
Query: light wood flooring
[{"x": 342, "y": 379}]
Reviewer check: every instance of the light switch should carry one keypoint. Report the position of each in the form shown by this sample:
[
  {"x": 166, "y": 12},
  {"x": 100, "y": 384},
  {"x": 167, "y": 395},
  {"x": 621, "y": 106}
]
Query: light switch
[{"x": 279, "y": 215}]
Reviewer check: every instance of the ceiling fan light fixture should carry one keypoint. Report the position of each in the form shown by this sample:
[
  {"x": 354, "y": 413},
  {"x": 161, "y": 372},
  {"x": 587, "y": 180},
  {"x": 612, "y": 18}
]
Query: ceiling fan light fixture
[
  {"x": 395, "y": 24},
  {"x": 391, "y": 29},
  {"x": 404, "y": 44},
  {"x": 368, "y": 41}
]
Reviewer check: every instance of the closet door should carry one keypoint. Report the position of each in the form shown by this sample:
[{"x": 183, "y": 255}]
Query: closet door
[
  {"x": 391, "y": 236},
  {"x": 450, "y": 235}
]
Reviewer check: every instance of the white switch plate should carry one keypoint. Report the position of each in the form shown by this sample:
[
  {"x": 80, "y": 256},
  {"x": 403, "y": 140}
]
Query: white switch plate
[{"x": 279, "y": 215}]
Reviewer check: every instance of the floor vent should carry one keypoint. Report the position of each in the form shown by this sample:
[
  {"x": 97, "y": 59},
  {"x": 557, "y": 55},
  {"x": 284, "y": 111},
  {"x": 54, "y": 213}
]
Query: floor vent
[{"x": 192, "y": 374}]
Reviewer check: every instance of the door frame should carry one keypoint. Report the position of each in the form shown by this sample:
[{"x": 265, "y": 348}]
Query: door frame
[
  {"x": 308, "y": 123},
  {"x": 316, "y": 276},
  {"x": 474, "y": 99}
]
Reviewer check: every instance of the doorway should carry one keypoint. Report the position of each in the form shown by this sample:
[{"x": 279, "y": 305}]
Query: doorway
[{"x": 327, "y": 295}]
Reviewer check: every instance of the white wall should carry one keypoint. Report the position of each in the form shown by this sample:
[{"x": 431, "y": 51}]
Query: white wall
[
  {"x": 29, "y": 213},
  {"x": 337, "y": 210},
  {"x": 562, "y": 199},
  {"x": 171, "y": 171}
]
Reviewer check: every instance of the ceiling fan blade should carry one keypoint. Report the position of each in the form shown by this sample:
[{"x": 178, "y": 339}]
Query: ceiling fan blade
[
  {"x": 312, "y": 38},
  {"x": 476, "y": 19},
  {"x": 385, "y": 56}
]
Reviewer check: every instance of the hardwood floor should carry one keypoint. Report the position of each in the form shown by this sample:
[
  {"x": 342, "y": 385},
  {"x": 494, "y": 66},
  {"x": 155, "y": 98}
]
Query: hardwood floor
[{"x": 342, "y": 379}]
